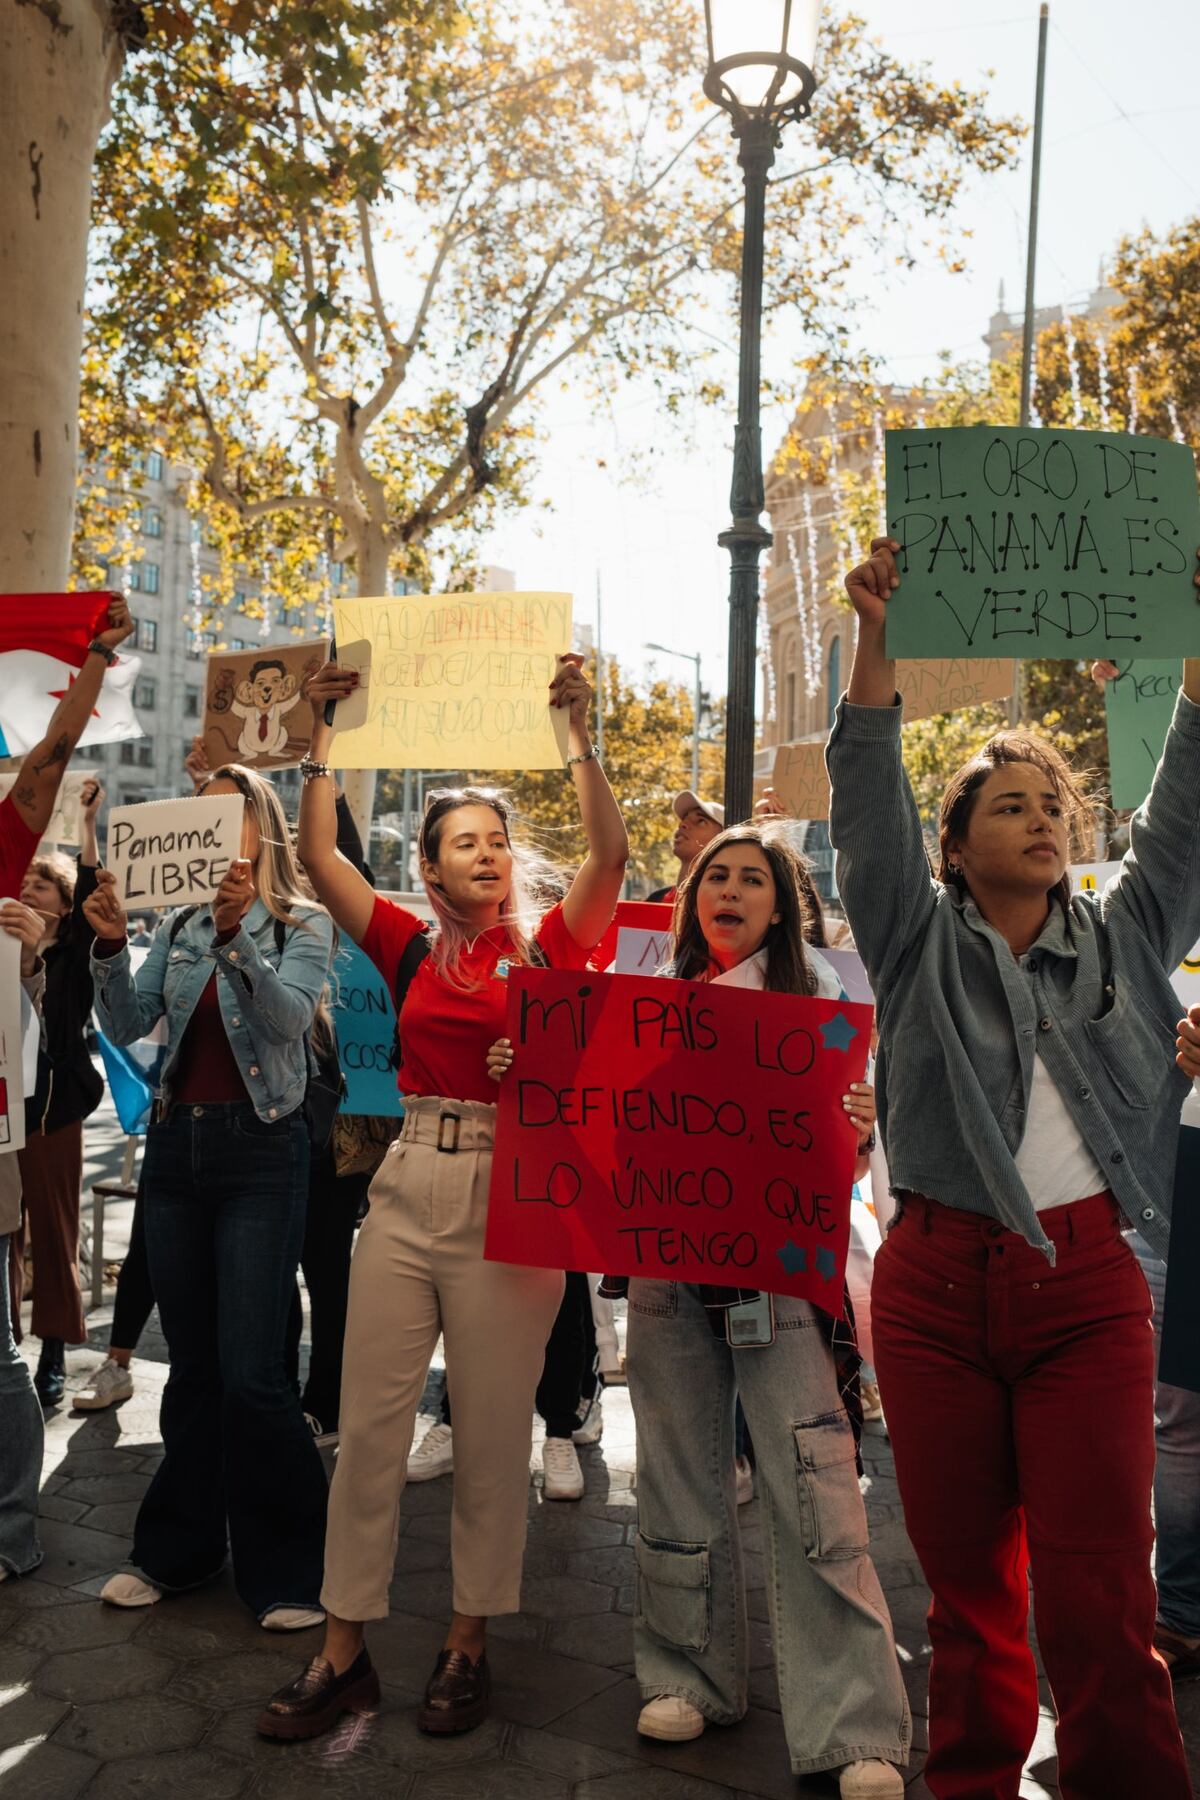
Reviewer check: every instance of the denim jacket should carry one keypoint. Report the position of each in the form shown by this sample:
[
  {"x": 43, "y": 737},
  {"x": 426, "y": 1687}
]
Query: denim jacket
[
  {"x": 960, "y": 1020},
  {"x": 267, "y": 1001}
]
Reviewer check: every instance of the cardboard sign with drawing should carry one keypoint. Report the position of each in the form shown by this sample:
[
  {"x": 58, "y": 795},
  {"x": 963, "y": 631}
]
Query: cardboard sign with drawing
[{"x": 256, "y": 709}]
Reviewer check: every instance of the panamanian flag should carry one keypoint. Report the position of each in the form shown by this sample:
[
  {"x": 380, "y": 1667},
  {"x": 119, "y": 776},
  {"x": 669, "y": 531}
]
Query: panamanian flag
[{"x": 43, "y": 646}]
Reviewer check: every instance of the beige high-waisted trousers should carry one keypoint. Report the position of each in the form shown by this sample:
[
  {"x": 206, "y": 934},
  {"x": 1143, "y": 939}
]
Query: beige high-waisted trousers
[{"x": 418, "y": 1270}]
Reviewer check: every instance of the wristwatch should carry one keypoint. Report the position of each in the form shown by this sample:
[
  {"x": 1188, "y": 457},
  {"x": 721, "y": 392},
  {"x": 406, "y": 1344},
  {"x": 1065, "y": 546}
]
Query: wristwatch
[{"x": 110, "y": 656}]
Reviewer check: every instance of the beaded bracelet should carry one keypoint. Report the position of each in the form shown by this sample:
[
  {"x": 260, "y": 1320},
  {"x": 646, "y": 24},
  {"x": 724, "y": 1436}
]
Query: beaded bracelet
[{"x": 310, "y": 769}]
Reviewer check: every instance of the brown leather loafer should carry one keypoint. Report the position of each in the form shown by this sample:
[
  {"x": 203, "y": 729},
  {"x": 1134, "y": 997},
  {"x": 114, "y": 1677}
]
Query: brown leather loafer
[
  {"x": 458, "y": 1694},
  {"x": 316, "y": 1700}
]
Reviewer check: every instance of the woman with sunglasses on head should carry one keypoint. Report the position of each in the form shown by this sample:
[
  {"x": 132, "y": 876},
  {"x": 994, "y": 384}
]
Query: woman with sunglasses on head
[
  {"x": 418, "y": 1268},
  {"x": 1030, "y": 1105},
  {"x": 239, "y": 983}
]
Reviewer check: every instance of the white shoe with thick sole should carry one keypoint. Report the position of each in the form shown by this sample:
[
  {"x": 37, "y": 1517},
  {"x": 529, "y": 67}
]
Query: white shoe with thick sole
[
  {"x": 129, "y": 1590},
  {"x": 871, "y": 1781},
  {"x": 670, "y": 1719},
  {"x": 110, "y": 1383},
  {"x": 591, "y": 1423},
  {"x": 434, "y": 1455},
  {"x": 292, "y": 1618},
  {"x": 562, "y": 1477}
]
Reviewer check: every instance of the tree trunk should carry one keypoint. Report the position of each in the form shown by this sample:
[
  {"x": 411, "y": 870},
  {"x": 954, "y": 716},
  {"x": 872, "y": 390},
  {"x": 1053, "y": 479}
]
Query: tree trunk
[
  {"x": 359, "y": 784},
  {"x": 58, "y": 62}
]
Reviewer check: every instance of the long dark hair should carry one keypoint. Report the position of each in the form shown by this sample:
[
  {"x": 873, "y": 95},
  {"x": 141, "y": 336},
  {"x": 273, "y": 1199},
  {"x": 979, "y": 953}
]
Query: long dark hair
[
  {"x": 788, "y": 967},
  {"x": 962, "y": 791}
]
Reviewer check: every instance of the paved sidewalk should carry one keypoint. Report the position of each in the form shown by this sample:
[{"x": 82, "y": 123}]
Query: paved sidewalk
[{"x": 115, "y": 1705}]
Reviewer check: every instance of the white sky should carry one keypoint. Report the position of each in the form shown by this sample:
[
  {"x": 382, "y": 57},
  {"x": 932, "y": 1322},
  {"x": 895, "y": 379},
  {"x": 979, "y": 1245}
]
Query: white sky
[{"x": 1119, "y": 153}]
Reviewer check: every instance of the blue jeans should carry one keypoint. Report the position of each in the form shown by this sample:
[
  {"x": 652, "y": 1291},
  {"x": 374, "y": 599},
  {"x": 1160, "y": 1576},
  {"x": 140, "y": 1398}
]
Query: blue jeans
[
  {"x": 1176, "y": 1479},
  {"x": 840, "y": 1688},
  {"x": 225, "y": 1196},
  {"x": 20, "y": 1444}
]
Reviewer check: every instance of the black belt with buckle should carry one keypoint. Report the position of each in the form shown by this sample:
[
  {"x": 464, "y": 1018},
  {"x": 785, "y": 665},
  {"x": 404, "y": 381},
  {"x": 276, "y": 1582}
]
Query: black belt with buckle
[{"x": 444, "y": 1119}]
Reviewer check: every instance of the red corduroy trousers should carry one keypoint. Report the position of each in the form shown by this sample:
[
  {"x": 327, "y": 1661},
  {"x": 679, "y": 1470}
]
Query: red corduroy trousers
[{"x": 1019, "y": 1400}]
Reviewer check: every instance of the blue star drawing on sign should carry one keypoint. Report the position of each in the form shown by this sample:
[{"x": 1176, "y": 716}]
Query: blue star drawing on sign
[
  {"x": 838, "y": 1032},
  {"x": 793, "y": 1258},
  {"x": 826, "y": 1263}
]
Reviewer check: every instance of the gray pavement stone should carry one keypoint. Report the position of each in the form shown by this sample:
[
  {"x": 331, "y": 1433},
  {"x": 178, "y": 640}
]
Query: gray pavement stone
[
  {"x": 46, "y": 1771},
  {"x": 103, "y": 1674},
  {"x": 491, "y": 1781},
  {"x": 179, "y": 1774},
  {"x": 156, "y": 1724}
]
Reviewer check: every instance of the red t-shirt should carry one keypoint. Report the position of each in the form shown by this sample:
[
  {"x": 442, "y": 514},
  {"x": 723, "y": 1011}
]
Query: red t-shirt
[
  {"x": 17, "y": 846},
  {"x": 447, "y": 1031},
  {"x": 207, "y": 1068}
]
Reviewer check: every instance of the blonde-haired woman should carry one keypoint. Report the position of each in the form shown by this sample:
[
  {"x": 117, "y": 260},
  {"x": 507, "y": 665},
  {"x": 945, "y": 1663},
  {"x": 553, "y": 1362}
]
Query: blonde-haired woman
[{"x": 239, "y": 983}]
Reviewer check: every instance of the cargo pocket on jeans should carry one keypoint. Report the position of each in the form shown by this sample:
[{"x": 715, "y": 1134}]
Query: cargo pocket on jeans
[
  {"x": 673, "y": 1593},
  {"x": 833, "y": 1518}
]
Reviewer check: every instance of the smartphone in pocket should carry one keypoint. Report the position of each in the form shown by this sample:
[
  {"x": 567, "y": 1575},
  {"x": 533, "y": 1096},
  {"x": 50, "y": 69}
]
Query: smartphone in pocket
[{"x": 750, "y": 1325}]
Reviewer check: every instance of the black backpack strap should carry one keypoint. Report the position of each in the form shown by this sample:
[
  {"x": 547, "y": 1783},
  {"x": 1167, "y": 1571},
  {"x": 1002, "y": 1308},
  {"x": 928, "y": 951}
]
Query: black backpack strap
[
  {"x": 179, "y": 921},
  {"x": 413, "y": 955},
  {"x": 280, "y": 935}
]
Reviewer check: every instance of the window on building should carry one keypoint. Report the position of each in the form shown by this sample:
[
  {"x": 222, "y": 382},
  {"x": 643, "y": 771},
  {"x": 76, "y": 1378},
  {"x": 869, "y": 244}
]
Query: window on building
[
  {"x": 833, "y": 680},
  {"x": 239, "y": 644},
  {"x": 293, "y": 615},
  {"x": 154, "y": 466},
  {"x": 337, "y": 574},
  {"x": 191, "y": 703},
  {"x": 91, "y": 752},
  {"x": 145, "y": 635},
  {"x": 239, "y": 600},
  {"x": 200, "y": 642},
  {"x": 150, "y": 578},
  {"x": 137, "y": 753},
  {"x": 144, "y": 694},
  {"x": 152, "y": 521},
  {"x": 791, "y": 721}
]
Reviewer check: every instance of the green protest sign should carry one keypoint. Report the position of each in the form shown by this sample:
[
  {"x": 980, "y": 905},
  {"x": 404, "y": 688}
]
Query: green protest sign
[
  {"x": 1138, "y": 706},
  {"x": 1042, "y": 543}
]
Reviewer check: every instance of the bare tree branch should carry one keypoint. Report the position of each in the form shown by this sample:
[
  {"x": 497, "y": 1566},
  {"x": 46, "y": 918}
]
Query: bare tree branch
[{"x": 216, "y": 478}]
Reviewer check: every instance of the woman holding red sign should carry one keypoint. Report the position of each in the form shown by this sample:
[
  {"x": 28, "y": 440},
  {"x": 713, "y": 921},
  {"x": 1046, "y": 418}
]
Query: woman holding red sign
[
  {"x": 740, "y": 921},
  {"x": 1030, "y": 1106},
  {"x": 418, "y": 1269}
]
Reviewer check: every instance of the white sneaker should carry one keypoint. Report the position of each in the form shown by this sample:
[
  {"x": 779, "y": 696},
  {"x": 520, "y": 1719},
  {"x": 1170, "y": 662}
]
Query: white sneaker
[
  {"x": 109, "y": 1384},
  {"x": 591, "y": 1421},
  {"x": 129, "y": 1590},
  {"x": 743, "y": 1474},
  {"x": 562, "y": 1475},
  {"x": 292, "y": 1618},
  {"x": 871, "y": 1781},
  {"x": 434, "y": 1455},
  {"x": 671, "y": 1719}
]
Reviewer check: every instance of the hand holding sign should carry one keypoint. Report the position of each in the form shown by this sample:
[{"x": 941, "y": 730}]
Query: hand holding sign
[
  {"x": 103, "y": 910},
  {"x": 235, "y": 896},
  {"x": 27, "y": 926},
  {"x": 1187, "y": 1044}
]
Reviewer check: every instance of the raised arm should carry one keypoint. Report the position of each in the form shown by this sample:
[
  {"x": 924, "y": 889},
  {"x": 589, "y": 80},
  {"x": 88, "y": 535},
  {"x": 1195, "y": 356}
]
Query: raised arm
[
  {"x": 883, "y": 873},
  {"x": 336, "y": 882},
  {"x": 592, "y": 897},
  {"x": 36, "y": 787}
]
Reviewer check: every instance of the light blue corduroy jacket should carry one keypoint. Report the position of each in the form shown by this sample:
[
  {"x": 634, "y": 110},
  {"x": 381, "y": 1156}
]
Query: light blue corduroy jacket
[{"x": 960, "y": 1020}]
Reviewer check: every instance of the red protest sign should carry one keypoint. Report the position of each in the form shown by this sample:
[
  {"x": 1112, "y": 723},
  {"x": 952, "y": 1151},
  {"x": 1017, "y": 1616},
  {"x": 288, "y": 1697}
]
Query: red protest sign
[{"x": 677, "y": 1129}]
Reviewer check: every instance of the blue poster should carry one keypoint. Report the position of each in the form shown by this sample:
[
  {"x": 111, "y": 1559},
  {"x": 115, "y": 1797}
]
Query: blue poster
[{"x": 366, "y": 1027}]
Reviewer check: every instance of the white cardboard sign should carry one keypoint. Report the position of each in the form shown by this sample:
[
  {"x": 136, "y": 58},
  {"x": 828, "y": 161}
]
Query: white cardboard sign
[
  {"x": 641, "y": 952},
  {"x": 64, "y": 820},
  {"x": 173, "y": 852},
  {"x": 12, "y": 1079}
]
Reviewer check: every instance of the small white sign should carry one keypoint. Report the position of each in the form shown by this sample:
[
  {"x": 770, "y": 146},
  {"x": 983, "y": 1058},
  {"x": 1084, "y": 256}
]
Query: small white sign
[
  {"x": 641, "y": 952},
  {"x": 848, "y": 966},
  {"x": 64, "y": 820},
  {"x": 173, "y": 852},
  {"x": 12, "y": 1079}
]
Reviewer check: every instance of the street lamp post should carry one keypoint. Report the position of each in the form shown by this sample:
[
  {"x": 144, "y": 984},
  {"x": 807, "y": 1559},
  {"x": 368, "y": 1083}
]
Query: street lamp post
[
  {"x": 692, "y": 656},
  {"x": 760, "y": 57}
]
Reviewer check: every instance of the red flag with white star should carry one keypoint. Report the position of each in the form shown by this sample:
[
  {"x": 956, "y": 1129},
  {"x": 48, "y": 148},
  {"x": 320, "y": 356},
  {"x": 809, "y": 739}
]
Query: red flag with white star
[{"x": 43, "y": 645}]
